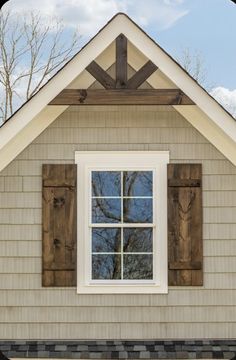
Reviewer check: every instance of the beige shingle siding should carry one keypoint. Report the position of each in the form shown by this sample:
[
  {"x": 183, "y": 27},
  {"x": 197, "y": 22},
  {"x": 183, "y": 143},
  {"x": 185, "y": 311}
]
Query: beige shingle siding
[{"x": 29, "y": 311}]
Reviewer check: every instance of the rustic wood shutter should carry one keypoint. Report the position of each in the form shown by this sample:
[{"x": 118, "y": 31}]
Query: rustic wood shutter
[
  {"x": 185, "y": 256},
  {"x": 59, "y": 225}
]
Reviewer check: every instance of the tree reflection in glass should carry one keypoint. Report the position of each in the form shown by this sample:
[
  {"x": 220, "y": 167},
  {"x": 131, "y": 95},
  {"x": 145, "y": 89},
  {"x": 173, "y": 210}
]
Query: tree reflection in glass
[
  {"x": 137, "y": 183},
  {"x": 137, "y": 210},
  {"x": 137, "y": 267},
  {"x": 106, "y": 210},
  {"x": 137, "y": 240},
  {"x": 122, "y": 198},
  {"x": 106, "y": 183},
  {"x": 106, "y": 240},
  {"x": 107, "y": 267}
]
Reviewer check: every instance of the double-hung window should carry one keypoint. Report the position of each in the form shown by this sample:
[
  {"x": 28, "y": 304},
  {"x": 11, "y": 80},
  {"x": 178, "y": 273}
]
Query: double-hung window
[{"x": 122, "y": 222}]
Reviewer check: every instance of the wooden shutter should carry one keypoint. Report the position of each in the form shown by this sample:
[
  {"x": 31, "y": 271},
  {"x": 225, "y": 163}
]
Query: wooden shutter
[
  {"x": 59, "y": 225},
  {"x": 185, "y": 224}
]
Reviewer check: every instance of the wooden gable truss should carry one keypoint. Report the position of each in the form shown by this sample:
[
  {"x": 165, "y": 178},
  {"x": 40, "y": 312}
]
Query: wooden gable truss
[{"x": 121, "y": 90}]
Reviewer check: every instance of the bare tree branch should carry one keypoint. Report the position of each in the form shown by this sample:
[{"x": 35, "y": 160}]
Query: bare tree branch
[
  {"x": 32, "y": 49},
  {"x": 194, "y": 63}
]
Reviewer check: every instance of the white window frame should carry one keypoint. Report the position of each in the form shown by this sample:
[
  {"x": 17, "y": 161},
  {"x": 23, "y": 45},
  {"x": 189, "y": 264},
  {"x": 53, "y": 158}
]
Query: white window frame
[{"x": 155, "y": 161}]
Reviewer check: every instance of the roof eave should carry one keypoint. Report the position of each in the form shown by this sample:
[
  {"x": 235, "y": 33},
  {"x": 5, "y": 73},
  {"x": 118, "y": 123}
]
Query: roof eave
[{"x": 22, "y": 129}]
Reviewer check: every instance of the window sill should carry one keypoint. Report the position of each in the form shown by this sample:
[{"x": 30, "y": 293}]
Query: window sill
[{"x": 121, "y": 289}]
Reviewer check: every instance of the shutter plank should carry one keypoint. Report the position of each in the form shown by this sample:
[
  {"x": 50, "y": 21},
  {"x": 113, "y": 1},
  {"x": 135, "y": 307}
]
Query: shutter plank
[
  {"x": 59, "y": 225},
  {"x": 196, "y": 228},
  {"x": 186, "y": 265},
  {"x": 48, "y": 278},
  {"x": 56, "y": 175},
  {"x": 184, "y": 234},
  {"x": 184, "y": 182},
  {"x": 185, "y": 224}
]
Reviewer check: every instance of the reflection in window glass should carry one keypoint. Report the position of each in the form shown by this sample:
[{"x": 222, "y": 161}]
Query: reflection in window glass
[
  {"x": 121, "y": 251},
  {"x": 106, "y": 183},
  {"x": 137, "y": 183},
  {"x": 106, "y": 210},
  {"x": 106, "y": 240},
  {"x": 137, "y": 240},
  {"x": 137, "y": 267},
  {"x": 137, "y": 210},
  {"x": 106, "y": 267}
]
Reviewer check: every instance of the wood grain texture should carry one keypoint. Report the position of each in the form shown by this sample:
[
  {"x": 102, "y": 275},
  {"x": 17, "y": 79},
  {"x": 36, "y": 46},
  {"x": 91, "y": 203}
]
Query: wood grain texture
[
  {"x": 59, "y": 225},
  {"x": 112, "y": 72},
  {"x": 185, "y": 225},
  {"x": 121, "y": 62},
  {"x": 121, "y": 97},
  {"x": 101, "y": 75},
  {"x": 59, "y": 175},
  {"x": 141, "y": 75}
]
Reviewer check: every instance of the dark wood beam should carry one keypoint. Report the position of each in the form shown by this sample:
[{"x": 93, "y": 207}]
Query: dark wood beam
[
  {"x": 121, "y": 61},
  {"x": 141, "y": 75},
  {"x": 122, "y": 97},
  {"x": 101, "y": 75}
]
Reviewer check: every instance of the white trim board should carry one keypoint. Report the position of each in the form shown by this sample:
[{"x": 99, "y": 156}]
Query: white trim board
[
  {"x": 155, "y": 161},
  {"x": 27, "y": 134},
  {"x": 207, "y": 115}
]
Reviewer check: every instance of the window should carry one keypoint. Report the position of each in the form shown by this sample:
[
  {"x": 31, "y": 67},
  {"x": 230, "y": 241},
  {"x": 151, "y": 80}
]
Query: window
[{"x": 122, "y": 222}]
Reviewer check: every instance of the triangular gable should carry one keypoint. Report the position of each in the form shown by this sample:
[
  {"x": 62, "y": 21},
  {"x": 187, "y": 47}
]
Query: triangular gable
[{"x": 207, "y": 116}]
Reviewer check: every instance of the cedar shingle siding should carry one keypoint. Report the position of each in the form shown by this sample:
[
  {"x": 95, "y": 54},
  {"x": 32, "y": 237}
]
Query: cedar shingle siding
[{"x": 29, "y": 311}]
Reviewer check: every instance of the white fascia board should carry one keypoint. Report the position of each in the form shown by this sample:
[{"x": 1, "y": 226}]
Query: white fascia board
[
  {"x": 10, "y": 134},
  {"x": 214, "y": 134},
  {"x": 147, "y": 46},
  {"x": 24, "y": 137},
  {"x": 33, "y": 110},
  {"x": 61, "y": 80}
]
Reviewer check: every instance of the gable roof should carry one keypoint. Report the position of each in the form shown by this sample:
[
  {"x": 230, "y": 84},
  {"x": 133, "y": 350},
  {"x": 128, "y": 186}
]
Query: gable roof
[{"x": 207, "y": 116}]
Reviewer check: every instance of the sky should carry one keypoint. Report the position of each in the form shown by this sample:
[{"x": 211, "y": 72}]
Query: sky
[{"x": 207, "y": 27}]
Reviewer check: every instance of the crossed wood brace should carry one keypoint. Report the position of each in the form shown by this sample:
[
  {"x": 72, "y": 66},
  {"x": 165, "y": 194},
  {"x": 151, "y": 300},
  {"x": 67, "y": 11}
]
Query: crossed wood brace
[{"x": 121, "y": 90}]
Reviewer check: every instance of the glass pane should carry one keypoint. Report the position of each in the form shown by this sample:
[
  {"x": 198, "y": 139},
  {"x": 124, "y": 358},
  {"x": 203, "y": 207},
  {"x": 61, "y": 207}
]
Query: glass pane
[
  {"x": 137, "y": 240},
  {"x": 106, "y": 267},
  {"x": 106, "y": 239},
  {"x": 137, "y": 210},
  {"x": 106, "y": 183},
  {"x": 106, "y": 210},
  {"x": 137, "y": 267},
  {"x": 137, "y": 183}
]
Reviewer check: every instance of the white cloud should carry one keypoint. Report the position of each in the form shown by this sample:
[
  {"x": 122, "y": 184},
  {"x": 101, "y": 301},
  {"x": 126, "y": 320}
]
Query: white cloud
[
  {"x": 159, "y": 13},
  {"x": 90, "y": 15},
  {"x": 225, "y": 97}
]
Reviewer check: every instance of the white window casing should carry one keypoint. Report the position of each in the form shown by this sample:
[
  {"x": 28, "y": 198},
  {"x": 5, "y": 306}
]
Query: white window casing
[{"x": 155, "y": 161}]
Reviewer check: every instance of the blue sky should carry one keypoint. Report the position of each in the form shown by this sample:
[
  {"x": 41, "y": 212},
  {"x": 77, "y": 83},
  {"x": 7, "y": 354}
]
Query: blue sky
[
  {"x": 205, "y": 26},
  {"x": 210, "y": 27}
]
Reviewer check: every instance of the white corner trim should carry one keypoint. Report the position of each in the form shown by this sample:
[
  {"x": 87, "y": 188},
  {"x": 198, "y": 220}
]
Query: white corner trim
[
  {"x": 24, "y": 137},
  {"x": 209, "y": 130}
]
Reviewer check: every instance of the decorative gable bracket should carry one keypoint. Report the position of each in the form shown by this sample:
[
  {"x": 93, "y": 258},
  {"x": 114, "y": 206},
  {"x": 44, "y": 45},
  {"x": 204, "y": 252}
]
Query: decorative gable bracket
[{"x": 121, "y": 90}]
